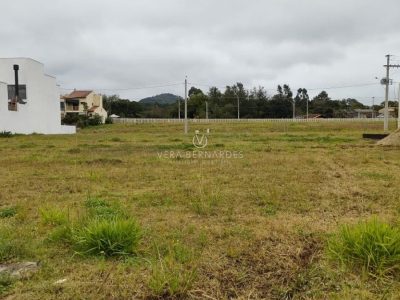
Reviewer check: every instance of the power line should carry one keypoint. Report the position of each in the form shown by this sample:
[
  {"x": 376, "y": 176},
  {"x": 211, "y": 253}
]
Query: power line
[
  {"x": 311, "y": 89},
  {"x": 132, "y": 88},
  {"x": 343, "y": 86}
]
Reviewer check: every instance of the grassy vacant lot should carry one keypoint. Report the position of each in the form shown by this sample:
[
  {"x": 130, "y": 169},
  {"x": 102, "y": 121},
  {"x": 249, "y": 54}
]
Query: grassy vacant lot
[{"x": 254, "y": 226}]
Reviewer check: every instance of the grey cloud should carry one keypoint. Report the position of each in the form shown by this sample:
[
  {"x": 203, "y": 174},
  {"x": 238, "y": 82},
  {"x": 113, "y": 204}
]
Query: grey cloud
[{"x": 119, "y": 44}]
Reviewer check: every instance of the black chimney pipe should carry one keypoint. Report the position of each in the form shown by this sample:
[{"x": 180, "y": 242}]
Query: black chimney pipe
[{"x": 16, "y": 68}]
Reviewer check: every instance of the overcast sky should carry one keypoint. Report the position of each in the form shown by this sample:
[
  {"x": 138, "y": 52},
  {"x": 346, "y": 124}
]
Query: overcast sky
[{"x": 121, "y": 44}]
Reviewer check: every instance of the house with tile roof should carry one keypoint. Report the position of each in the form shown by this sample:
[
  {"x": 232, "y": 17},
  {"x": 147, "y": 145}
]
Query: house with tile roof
[{"x": 83, "y": 103}]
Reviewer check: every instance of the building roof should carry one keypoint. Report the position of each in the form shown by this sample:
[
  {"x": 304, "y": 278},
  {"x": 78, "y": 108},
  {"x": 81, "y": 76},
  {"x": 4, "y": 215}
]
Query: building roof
[
  {"x": 390, "y": 109},
  {"x": 364, "y": 110},
  {"x": 92, "y": 109},
  {"x": 77, "y": 94}
]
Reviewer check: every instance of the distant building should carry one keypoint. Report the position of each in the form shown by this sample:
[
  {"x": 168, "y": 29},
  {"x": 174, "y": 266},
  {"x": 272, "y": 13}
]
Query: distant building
[
  {"x": 392, "y": 112},
  {"x": 29, "y": 98},
  {"x": 364, "y": 113},
  {"x": 310, "y": 116},
  {"x": 83, "y": 103}
]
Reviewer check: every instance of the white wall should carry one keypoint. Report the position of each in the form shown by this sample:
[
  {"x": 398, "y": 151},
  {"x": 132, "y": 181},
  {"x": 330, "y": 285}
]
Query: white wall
[{"x": 41, "y": 113}]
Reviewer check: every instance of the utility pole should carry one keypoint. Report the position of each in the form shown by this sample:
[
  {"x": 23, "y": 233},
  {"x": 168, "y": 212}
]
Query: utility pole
[
  {"x": 398, "y": 108},
  {"x": 307, "y": 108},
  {"x": 387, "y": 82},
  {"x": 207, "y": 110},
  {"x": 238, "y": 105},
  {"x": 186, "y": 100},
  {"x": 179, "y": 108},
  {"x": 373, "y": 107},
  {"x": 386, "y": 112},
  {"x": 294, "y": 109}
]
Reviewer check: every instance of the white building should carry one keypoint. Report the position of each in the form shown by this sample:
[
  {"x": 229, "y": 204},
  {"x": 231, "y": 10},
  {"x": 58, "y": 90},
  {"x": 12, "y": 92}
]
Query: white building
[{"x": 41, "y": 111}]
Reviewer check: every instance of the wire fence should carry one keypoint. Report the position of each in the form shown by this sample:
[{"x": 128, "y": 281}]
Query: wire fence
[{"x": 197, "y": 121}]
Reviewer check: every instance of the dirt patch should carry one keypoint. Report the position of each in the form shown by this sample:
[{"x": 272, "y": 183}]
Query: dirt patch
[
  {"x": 392, "y": 139},
  {"x": 104, "y": 161},
  {"x": 267, "y": 269}
]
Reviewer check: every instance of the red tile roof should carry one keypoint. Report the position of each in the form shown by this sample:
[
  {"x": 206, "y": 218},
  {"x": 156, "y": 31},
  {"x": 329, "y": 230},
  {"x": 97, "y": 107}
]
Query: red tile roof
[
  {"x": 92, "y": 109},
  {"x": 78, "y": 94}
]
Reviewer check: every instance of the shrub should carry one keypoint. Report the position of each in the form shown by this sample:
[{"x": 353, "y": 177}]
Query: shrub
[
  {"x": 8, "y": 212},
  {"x": 374, "y": 246},
  {"x": 107, "y": 237},
  {"x": 82, "y": 121},
  {"x": 95, "y": 120},
  {"x": 109, "y": 120},
  {"x": 6, "y": 134},
  {"x": 70, "y": 119}
]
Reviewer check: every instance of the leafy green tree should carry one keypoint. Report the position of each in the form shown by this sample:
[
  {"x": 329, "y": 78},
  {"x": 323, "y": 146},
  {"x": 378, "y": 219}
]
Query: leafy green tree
[{"x": 301, "y": 101}]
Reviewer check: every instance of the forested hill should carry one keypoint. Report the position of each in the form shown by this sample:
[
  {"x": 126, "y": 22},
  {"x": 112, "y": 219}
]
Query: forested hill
[{"x": 161, "y": 99}]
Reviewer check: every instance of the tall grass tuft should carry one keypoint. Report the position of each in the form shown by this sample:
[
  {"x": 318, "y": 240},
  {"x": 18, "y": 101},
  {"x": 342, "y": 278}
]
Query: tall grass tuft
[
  {"x": 170, "y": 279},
  {"x": 12, "y": 245},
  {"x": 108, "y": 237},
  {"x": 373, "y": 246},
  {"x": 53, "y": 216}
]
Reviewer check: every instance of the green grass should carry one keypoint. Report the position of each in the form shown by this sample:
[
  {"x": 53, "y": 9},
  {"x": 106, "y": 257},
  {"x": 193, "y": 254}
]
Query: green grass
[
  {"x": 6, "y": 283},
  {"x": 99, "y": 208},
  {"x": 371, "y": 246},
  {"x": 170, "y": 279},
  {"x": 12, "y": 245},
  {"x": 53, "y": 216},
  {"x": 219, "y": 228},
  {"x": 8, "y": 212},
  {"x": 107, "y": 237}
]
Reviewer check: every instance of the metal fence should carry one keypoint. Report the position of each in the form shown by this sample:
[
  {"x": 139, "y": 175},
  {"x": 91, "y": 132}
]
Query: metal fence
[{"x": 175, "y": 121}]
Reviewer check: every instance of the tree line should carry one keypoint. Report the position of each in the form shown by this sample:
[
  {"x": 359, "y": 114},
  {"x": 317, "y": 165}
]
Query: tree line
[{"x": 255, "y": 103}]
